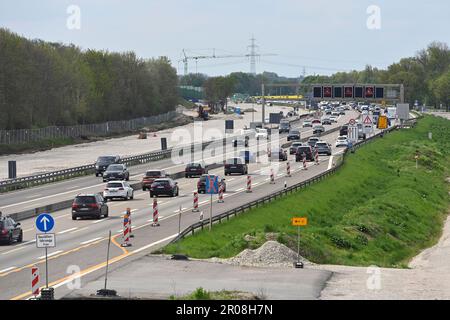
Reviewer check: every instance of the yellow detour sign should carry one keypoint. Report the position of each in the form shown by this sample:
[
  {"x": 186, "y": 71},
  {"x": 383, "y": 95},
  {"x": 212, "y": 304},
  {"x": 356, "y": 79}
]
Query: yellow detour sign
[
  {"x": 299, "y": 222},
  {"x": 382, "y": 122}
]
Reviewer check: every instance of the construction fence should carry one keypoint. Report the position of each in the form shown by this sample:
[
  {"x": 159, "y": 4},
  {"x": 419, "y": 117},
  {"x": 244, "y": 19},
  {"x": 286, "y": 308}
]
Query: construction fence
[{"x": 21, "y": 136}]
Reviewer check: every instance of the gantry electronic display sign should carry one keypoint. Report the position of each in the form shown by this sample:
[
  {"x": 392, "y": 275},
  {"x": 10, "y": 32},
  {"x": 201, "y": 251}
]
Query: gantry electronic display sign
[{"x": 348, "y": 92}]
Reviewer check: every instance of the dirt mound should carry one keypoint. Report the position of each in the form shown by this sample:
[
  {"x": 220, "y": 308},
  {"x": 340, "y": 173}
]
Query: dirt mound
[{"x": 270, "y": 254}]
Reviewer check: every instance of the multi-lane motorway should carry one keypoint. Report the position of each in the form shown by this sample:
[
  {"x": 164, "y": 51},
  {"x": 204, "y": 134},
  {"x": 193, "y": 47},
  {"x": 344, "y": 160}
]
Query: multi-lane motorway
[{"x": 81, "y": 244}]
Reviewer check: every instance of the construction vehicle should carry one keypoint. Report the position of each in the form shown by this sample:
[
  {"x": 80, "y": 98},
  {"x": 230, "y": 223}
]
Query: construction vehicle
[{"x": 203, "y": 112}]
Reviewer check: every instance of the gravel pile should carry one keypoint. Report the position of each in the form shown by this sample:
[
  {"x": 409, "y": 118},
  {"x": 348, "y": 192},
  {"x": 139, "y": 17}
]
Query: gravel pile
[{"x": 270, "y": 254}]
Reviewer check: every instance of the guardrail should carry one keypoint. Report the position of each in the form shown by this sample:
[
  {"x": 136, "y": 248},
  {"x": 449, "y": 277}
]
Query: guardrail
[
  {"x": 263, "y": 200},
  {"x": 44, "y": 178}
]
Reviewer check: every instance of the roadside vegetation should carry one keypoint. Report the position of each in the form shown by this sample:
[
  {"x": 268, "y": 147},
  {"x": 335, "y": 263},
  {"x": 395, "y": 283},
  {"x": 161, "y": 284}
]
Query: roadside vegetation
[
  {"x": 377, "y": 209},
  {"x": 202, "y": 294}
]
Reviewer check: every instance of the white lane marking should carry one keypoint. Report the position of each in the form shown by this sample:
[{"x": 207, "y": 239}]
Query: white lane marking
[
  {"x": 256, "y": 183},
  {"x": 182, "y": 209},
  {"x": 154, "y": 243},
  {"x": 203, "y": 202},
  {"x": 7, "y": 269},
  {"x": 50, "y": 254},
  {"x": 119, "y": 231},
  {"x": 133, "y": 210},
  {"x": 89, "y": 241},
  {"x": 64, "y": 215},
  {"x": 231, "y": 179},
  {"x": 240, "y": 189},
  {"x": 34, "y": 195},
  {"x": 11, "y": 251},
  {"x": 80, "y": 230},
  {"x": 68, "y": 230},
  {"x": 102, "y": 220}
]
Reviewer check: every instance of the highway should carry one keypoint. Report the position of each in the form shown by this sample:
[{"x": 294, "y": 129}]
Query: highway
[{"x": 82, "y": 243}]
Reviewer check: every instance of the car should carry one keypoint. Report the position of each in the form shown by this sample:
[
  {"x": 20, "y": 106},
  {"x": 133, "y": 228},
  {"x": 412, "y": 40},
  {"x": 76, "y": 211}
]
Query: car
[
  {"x": 201, "y": 183},
  {"x": 328, "y": 112},
  {"x": 103, "y": 162},
  {"x": 344, "y": 130},
  {"x": 279, "y": 154},
  {"x": 323, "y": 147},
  {"x": 284, "y": 126},
  {"x": 334, "y": 119},
  {"x": 361, "y": 134},
  {"x": 312, "y": 141},
  {"x": 195, "y": 169},
  {"x": 341, "y": 141},
  {"x": 118, "y": 189},
  {"x": 318, "y": 129},
  {"x": 316, "y": 122},
  {"x": 116, "y": 172},
  {"x": 164, "y": 186},
  {"x": 89, "y": 205},
  {"x": 307, "y": 123},
  {"x": 235, "y": 165},
  {"x": 294, "y": 134},
  {"x": 262, "y": 133},
  {"x": 335, "y": 113},
  {"x": 240, "y": 142},
  {"x": 10, "y": 230},
  {"x": 326, "y": 120},
  {"x": 294, "y": 147},
  {"x": 150, "y": 176},
  {"x": 306, "y": 150},
  {"x": 247, "y": 156}
]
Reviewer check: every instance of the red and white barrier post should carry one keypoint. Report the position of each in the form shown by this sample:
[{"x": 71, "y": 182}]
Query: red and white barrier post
[
  {"x": 195, "y": 209},
  {"x": 155, "y": 213},
  {"x": 128, "y": 212},
  {"x": 272, "y": 177},
  {"x": 288, "y": 169},
  {"x": 304, "y": 162},
  {"x": 249, "y": 184},
  {"x": 316, "y": 156},
  {"x": 35, "y": 281},
  {"x": 220, "y": 194},
  {"x": 126, "y": 231}
]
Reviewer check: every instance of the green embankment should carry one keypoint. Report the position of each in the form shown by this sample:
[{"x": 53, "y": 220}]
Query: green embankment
[{"x": 377, "y": 209}]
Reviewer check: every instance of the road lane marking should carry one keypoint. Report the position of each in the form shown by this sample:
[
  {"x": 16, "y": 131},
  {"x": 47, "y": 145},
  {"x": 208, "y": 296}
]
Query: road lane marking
[
  {"x": 7, "y": 269},
  {"x": 92, "y": 240},
  {"x": 79, "y": 230},
  {"x": 153, "y": 244},
  {"x": 102, "y": 220},
  {"x": 14, "y": 250},
  {"x": 68, "y": 230},
  {"x": 50, "y": 254}
]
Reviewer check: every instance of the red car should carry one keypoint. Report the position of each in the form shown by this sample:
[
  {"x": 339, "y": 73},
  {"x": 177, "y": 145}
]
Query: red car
[{"x": 150, "y": 176}]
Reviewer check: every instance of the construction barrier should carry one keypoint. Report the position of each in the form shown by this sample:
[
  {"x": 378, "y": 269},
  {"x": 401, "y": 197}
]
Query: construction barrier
[
  {"x": 195, "y": 209},
  {"x": 304, "y": 162},
  {"x": 128, "y": 212},
  {"x": 126, "y": 231},
  {"x": 221, "y": 194},
  {"x": 288, "y": 169},
  {"x": 317, "y": 157},
  {"x": 249, "y": 183},
  {"x": 272, "y": 177},
  {"x": 155, "y": 213},
  {"x": 35, "y": 281}
]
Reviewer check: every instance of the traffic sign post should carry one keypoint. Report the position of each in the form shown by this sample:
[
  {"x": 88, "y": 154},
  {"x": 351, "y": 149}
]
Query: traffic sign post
[
  {"x": 212, "y": 187},
  {"x": 299, "y": 222},
  {"x": 45, "y": 223}
]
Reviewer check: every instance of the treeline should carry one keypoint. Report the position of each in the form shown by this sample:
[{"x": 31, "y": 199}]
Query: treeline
[{"x": 44, "y": 84}]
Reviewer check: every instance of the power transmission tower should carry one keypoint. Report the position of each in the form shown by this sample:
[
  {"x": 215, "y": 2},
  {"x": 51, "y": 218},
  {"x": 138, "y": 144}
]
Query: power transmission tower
[{"x": 253, "y": 55}]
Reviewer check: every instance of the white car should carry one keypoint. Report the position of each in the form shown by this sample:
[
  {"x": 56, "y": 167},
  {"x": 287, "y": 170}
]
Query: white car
[
  {"x": 342, "y": 141},
  {"x": 261, "y": 134},
  {"x": 118, "y": 189},
  {"x": 334, "y": 118},
  {"x": 307, "y": 123}
]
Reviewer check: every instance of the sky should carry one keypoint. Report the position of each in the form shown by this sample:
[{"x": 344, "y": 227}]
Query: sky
[{"x": 315, "y": 37}]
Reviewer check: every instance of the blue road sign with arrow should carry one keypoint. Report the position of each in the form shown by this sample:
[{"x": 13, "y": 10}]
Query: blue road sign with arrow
[{"x": 45, "y": 222}]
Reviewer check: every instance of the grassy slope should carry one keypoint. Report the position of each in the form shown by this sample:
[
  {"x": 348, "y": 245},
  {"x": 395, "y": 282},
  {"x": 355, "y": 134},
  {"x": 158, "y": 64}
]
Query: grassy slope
[{"x": 365, "y": 214}]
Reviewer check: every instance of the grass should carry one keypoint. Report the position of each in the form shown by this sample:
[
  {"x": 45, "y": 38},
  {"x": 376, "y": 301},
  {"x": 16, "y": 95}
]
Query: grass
[
  {"x": 202, "y": 294},
  {"x": 377, "y": 209}
]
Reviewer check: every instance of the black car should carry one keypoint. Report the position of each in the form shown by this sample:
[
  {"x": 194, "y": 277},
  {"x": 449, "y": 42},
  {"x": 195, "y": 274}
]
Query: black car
[
  {"x": 235, "y": 165},
  {"x": 201, "y": 184},
  {"x": 323, "y": 147},
  {"x": 293, "y": 135},
  {"x": 326, "y": 121},
  {"x": 307, "y": 150},
  {"x": 318, "y": 129},
  {"x": 344, "y": 130},
  {"x": 284, "y": 127},
  {"x": 10, "y": 230},
  {"x": 164, "y": 186},
  {"x": 195, "y": 169},
  {"x": 89, "y": 205},
  {"x": 103, "y": 162},
  {"x": 116, "y": 172},
  {"x": 278, "y": 153}
]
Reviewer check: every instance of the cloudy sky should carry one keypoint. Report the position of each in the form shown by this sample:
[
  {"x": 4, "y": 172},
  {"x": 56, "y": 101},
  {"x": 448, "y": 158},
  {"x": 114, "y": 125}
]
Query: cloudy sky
[{"x": 322, "y": 36}]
